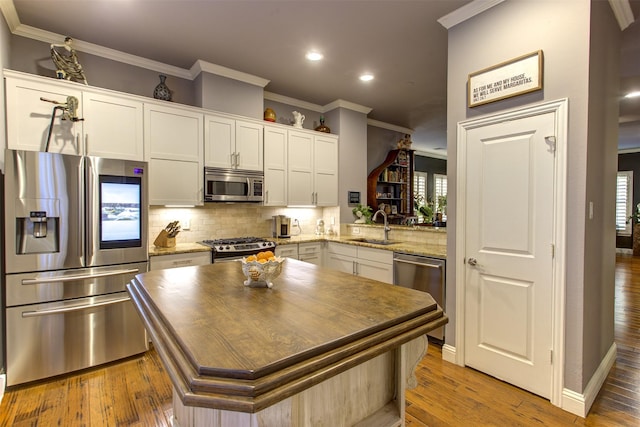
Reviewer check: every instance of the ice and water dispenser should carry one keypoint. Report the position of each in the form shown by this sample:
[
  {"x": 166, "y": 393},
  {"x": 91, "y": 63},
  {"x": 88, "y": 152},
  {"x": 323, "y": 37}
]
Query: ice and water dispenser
[{"x": 37, "y": 226}]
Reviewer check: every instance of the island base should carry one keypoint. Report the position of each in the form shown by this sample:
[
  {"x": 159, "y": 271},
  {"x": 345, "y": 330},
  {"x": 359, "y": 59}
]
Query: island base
[{"x": 371, "y": 394}]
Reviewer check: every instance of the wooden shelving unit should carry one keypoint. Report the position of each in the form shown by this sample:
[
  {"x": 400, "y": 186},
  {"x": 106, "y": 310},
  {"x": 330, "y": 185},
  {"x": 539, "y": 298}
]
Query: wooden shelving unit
[{"x": 391, "y": 184}]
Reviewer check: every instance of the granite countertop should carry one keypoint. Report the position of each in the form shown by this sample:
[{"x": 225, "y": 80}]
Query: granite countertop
[
  {"x": 416, "y": 248},
  {"x": 180, "y": 248}
]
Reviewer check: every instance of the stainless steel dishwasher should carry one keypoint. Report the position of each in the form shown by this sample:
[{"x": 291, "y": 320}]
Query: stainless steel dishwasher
[{"x": 425, "y": 274}]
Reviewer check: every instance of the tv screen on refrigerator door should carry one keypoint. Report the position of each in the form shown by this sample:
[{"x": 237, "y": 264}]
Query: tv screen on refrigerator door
[{"x": 120, "y": 207}]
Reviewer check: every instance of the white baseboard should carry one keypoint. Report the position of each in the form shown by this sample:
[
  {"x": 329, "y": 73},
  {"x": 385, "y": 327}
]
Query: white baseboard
[
  {"x": 625, "y": 251},
  {"x": 579, "y": 404},
  {"x": 449, "y": 353},
  {"x": 3, "y": 383}
]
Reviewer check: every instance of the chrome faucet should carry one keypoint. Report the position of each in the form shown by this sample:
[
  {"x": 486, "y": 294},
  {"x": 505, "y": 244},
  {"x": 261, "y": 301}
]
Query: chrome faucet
[{"x": 386, "y": 225}]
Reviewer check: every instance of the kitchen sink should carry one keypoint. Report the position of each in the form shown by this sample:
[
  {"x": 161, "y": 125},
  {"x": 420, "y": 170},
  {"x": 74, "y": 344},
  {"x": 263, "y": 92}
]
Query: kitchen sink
[{"x": 374, "y": 241}]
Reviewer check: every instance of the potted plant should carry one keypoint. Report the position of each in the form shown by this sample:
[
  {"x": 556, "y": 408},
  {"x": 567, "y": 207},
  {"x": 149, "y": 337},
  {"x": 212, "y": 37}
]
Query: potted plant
[
  {"x": 424, "y": 208},
  {"x": 363, "y": 214}
]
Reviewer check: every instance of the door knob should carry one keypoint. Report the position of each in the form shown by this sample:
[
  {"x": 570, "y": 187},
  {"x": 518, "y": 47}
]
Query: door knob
[{"x": 472, "y": 261}]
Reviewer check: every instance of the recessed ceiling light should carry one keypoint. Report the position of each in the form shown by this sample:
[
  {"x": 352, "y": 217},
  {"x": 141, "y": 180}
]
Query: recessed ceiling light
[
  {"x": 314, "y": 56},
  {"x": 366, "y": 77},
  {"x": 632, "y": 94}
]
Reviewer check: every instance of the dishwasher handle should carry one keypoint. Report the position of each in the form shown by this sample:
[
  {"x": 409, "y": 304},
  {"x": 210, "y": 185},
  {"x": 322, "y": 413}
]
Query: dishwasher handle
[{"x": 421, "y": 264}]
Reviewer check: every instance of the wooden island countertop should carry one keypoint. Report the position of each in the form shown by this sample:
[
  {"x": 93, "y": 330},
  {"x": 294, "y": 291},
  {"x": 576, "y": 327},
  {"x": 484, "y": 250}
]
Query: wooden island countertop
[{"x": 234, "y": 348}]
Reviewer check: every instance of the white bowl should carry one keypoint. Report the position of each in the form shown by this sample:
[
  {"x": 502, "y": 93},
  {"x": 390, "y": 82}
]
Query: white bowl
[{"x": 260, "y": 275}]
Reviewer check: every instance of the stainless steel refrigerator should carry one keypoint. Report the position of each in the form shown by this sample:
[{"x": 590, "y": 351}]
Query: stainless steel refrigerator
[{"x": 75, "y": 235}]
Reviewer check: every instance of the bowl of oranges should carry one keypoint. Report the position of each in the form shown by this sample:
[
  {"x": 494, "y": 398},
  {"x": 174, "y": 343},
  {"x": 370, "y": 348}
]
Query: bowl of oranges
[{"x": 261, "y": 269}]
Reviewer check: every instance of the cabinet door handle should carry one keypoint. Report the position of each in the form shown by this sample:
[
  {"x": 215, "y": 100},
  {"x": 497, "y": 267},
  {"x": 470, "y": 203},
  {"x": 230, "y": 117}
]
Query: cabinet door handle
[
  {"x": 237, "y": 160},
  {"x": 266, "y": 196}
]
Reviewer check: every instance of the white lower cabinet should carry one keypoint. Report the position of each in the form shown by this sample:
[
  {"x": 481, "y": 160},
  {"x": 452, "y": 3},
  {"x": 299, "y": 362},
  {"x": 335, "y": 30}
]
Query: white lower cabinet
[
  {"x": 311, "y": 252},
  {"x": 179, "y": 260},
  {"x": 376, "y": 264},
  {"x": 287, "y": 251}
]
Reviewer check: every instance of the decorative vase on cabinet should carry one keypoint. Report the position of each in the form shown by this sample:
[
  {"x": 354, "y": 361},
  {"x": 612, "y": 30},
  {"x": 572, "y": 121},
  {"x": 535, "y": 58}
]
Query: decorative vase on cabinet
[{"x": 162, "y": 91}]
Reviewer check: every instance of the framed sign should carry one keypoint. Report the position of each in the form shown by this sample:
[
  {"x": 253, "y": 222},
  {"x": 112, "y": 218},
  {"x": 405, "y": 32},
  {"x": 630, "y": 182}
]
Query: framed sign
[{"x": 516, "y": 77}]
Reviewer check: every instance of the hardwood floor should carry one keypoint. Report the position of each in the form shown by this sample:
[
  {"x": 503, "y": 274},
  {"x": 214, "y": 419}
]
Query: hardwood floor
[{"x": 137, "y": 391}]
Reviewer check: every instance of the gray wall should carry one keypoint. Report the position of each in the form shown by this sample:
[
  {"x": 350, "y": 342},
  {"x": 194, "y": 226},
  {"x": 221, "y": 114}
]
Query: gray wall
[
  {"x": 231, "y": 96},
  {"x": 284, "y": 115},
  {"x": 379, "y": 142},
  {"x": 352, "y": 127},
  {"x": 602, "y": 166},
  {"x": 561, "y": 30}
]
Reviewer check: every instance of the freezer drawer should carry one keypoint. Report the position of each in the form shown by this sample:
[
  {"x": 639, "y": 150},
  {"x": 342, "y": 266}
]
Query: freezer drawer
[
  {"x": 44, "y": 340},
  {"x": 50, "y": 286},
  {"x": 424, "y": 274}
]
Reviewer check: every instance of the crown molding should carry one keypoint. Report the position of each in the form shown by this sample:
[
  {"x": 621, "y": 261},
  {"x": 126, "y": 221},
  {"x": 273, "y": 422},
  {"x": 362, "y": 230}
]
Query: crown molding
[
  {"x": 629, "y": 150},
  {"x": 623, "y": 13},
  {"x": 203, "y": 66},
  {"x": 293, "y": 102},
  {"x": 341, "y": 103},
  {"x": 436, "y": 154},
  {"x": 467, "y": 11},
  {"x": 388, "y": 126},
  {"x": 10, "y": 13}
]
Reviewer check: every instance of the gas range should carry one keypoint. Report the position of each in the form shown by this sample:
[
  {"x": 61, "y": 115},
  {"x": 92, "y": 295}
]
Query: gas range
[{"x": 238, "y": 247}]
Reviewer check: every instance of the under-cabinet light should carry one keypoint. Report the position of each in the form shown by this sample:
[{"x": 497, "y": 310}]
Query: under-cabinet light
[{"x": 632, "y": 94}]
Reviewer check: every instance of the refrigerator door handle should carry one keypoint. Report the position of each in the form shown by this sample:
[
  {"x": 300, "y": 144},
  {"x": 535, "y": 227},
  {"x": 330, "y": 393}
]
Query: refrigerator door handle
[
  {"x": 59, "y": 279},
  {"x": 46, "y": 312},
  {"x": 90, "y": 183}
]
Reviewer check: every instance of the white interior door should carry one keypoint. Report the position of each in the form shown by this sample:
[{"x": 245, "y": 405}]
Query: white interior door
[{"x": 509, "y": 250}]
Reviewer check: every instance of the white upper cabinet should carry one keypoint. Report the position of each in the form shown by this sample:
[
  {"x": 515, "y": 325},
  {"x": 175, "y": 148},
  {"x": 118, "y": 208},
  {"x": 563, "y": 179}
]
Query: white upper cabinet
[
  {"x": 300, "y": 168},
  {"x": 174, "y": 140},
  {"x": 313, "y": 169},
  {"x": 275, "y": 166},
  {"x": 29, "y": 117},
  {"x": 233, "y": 144},
  {"x": 110, "y": 125},
  {"x": 325, "y": 161},
  {"x": 113, "y": 126}
]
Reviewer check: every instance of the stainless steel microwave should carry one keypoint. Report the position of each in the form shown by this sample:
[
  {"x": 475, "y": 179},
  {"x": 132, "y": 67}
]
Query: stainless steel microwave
[{"x": 231, "y": 185}]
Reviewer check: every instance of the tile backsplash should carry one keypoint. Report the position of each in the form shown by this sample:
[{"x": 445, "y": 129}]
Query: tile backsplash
[{"x": 222, "y": 220}]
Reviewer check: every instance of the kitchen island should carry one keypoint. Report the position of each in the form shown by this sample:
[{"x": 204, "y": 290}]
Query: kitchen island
[{"x": 319, "y": 348}]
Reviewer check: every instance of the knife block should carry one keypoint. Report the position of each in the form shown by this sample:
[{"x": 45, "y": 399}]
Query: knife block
[{"x": 164, "y": 241}]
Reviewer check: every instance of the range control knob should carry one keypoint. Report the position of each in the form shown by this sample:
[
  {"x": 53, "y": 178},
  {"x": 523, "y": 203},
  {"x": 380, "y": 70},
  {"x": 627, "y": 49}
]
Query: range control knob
[
  {"x": 221, "y": 248},
  {"x": 228, "y": 247}
]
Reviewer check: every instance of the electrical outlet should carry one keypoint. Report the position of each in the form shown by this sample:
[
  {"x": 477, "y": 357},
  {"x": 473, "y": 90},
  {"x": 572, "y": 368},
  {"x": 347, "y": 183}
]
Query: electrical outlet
[
  {"x": 355, "y": 230},
  {"x": 185, "y": 224}
]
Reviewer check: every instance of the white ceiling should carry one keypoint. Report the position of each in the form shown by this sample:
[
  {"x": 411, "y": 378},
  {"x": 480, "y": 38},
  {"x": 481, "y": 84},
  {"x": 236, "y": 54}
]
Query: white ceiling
[{"x": 400, "y": 41}]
